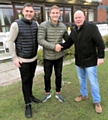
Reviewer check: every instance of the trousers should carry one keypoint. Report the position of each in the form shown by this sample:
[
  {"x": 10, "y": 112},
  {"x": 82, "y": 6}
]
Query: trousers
[
  {"x": 48, "y": 67},
  {"x": 91, "y": 73},
  {"x": 27, "y": 72}
]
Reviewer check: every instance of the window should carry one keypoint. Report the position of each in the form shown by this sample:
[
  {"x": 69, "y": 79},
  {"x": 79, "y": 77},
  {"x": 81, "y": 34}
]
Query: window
[
  {"x": 61, "y": 16},
  {"x": 6, "y": 17},
  {"x": 38, "y": 15},
  {"x": 47, "y": 12},
  {"x": 90, "y": 15},
  {"x": 67, "y": 15}
]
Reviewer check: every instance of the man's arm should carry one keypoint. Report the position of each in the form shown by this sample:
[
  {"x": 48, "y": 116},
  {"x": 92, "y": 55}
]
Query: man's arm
[
  {"x": 68, "y": 43},
  {"x": 99, "y": 43},
  {"x": 11, "y": 39},
  {"x": 100, "y": 46},
  {"x": 42, "y": 37},
  {"x": 66, "y": 35},
  {"x": 11, "y": 42}
]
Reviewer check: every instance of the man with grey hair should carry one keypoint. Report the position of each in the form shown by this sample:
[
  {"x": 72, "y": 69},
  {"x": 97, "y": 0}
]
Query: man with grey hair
[{"x": 89, "y": 52}]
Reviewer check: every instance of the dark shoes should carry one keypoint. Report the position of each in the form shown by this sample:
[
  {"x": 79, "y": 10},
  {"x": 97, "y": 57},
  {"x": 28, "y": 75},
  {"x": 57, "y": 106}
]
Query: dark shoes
[
  {"x": 59, "y": 97},
  {"x": 33, "y": 99},
  {"x": 46, "y": 97},
  {"x": 28, "y": 111}
]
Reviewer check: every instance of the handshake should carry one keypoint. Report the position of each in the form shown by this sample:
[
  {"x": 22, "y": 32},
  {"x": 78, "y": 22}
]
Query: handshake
[{"x": 58, "y": 47}]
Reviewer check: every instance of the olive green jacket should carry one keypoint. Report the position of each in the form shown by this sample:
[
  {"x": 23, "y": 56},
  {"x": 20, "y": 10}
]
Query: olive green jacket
[{"x": 48, "y": 36}]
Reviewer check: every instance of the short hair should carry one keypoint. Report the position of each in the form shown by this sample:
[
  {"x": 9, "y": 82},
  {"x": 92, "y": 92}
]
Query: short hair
[
  {"x": 28, "y": 5},
  {"x": 81, "y": 11},
  {"x": 53, "y": 7}
]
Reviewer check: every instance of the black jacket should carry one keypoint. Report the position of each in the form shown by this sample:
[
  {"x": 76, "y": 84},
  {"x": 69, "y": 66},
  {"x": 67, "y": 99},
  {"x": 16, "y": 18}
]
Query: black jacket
[
  {"x": 26, "y": 41},
  {"x": 88, "y": 43}
]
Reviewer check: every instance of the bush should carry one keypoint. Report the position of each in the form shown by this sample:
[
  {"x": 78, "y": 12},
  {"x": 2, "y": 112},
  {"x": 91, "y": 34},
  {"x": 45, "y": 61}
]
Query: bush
[
  {"x": 40, "y": 57},
  {"x": 69, "y": 54},
  {"x": 105, "y": 38}
]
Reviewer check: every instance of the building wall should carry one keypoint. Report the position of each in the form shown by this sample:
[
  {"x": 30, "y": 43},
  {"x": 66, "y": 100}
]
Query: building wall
[
  {"x": 102, "y": 14},
  {"x": 105, "y": 2}
]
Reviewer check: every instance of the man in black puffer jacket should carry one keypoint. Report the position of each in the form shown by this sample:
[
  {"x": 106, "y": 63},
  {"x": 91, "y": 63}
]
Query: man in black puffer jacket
[
  {"x": 89, "y": 52},
  {"x": 23, "y": 33}
]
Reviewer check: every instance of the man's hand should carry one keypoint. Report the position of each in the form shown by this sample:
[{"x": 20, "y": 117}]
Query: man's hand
[
  {"x": 17, "y": 62},
  {"x": 58, "y": 48},
  {"x": 100, "y": 61}
]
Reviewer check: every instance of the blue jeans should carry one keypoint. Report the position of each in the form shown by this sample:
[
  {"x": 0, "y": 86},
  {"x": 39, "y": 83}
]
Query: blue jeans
[{"x": 91, "y": 73}]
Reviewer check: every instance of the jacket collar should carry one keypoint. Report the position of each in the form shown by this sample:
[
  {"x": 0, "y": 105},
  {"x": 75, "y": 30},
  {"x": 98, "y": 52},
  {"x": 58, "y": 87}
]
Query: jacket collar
[
  {"x": 81, "y": 26},
  {"x": 54, "y": 25},
  {"x": 26, "y": 21}
]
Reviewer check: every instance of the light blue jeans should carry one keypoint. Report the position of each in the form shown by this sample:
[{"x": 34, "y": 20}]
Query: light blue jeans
[{"x": 91, "y": 73}]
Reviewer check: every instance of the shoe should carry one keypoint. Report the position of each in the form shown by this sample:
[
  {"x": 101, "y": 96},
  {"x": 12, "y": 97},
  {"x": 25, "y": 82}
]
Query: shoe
[
  {"x": 98, "y": 108},
  {"x": 33, "y": 99},
  {"x": 80, "y": 98},
  {"x": 59, "y": 97},
  {"x": 46, "y": 97},
  {"x": 28, "y": 111}
]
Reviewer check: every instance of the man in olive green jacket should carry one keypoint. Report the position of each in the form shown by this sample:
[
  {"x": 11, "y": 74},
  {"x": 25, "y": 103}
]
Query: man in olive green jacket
[{"x": 50, "y": 34}]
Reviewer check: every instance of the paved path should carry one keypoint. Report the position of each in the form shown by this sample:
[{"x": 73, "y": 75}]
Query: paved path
[{"x": 9, "y": 73}]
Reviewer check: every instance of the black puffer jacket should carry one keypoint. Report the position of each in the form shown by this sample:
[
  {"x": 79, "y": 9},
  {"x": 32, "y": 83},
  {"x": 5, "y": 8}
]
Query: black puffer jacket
[
  {"x": 88, "y": 44},
  {"x": 26, "y": 41}
]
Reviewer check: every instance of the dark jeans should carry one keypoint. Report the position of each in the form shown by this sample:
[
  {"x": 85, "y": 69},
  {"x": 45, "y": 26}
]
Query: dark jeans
[
  {"x": 27, "y": 71},
  {"x": 48, "y": 67}
]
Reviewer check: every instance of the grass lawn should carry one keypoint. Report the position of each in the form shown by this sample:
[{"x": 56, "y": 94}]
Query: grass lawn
[{"x": 12, "y": 104}]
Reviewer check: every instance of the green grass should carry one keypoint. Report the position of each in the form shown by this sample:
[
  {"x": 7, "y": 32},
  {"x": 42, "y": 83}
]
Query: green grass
[{"x": 12, "y": 103}]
